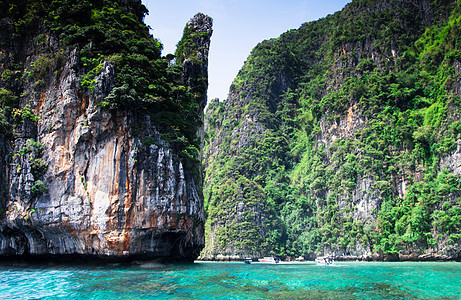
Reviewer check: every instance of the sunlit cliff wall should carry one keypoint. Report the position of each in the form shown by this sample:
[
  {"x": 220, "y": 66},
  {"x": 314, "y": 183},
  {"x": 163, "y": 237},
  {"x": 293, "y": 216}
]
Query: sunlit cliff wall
[{"x": 81, "y": 176}]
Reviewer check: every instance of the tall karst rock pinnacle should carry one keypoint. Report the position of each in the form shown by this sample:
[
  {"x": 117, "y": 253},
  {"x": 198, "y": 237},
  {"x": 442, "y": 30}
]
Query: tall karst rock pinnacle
[{"x": 99, "y": 141}]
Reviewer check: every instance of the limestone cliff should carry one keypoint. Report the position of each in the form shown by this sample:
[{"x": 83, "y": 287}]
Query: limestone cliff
[
  {"x": 82, "y": 173},
  {"x": 341, "y": 138}
]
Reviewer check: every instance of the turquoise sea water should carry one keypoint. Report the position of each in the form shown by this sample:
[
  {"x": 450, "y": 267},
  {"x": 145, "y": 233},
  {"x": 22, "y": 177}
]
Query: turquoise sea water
[{"x": 206, "y": 280}]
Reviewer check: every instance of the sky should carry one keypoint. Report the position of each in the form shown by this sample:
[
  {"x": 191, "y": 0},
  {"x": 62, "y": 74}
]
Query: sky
[{"x": 238, "y": 26}]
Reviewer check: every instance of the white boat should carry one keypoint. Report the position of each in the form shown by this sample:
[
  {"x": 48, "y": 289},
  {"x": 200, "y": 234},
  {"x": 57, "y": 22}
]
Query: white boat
[
  {"x": 325, "y": 260},
  {"x": 271, "y": 260}
]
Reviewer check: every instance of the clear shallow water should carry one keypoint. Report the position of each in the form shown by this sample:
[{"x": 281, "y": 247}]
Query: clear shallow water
[{"x": 205, "y": 280}]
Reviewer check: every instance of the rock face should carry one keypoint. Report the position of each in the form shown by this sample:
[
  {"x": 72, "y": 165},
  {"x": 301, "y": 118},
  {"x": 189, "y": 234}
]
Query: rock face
[
  {"x": 328, "y": 144},
  {"x": 78, "y": 180}
]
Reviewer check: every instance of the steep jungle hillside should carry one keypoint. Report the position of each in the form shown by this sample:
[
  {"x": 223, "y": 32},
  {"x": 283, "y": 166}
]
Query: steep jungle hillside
[
  {"x": 99, "y": 133},
  {"x": 343, "y": 138}
]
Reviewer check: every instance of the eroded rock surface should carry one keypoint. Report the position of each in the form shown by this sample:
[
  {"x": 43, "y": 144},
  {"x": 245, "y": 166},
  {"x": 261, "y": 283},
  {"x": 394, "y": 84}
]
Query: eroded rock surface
[{"x": 107, "y": 194}]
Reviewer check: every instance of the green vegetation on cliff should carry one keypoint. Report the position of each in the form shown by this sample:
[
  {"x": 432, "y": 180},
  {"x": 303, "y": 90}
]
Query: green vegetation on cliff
[
  {"x": 101, "y": 31},
  {"x": 340, "y": 137}
]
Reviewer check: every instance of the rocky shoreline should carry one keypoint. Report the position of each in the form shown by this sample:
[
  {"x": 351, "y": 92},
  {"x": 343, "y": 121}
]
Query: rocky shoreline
[{"x": 346, "y": 258}]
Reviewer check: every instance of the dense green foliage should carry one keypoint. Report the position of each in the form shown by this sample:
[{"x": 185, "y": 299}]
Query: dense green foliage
[
  {"x": 103, "y": 31},
  {"x": 334, "y": 137}
]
